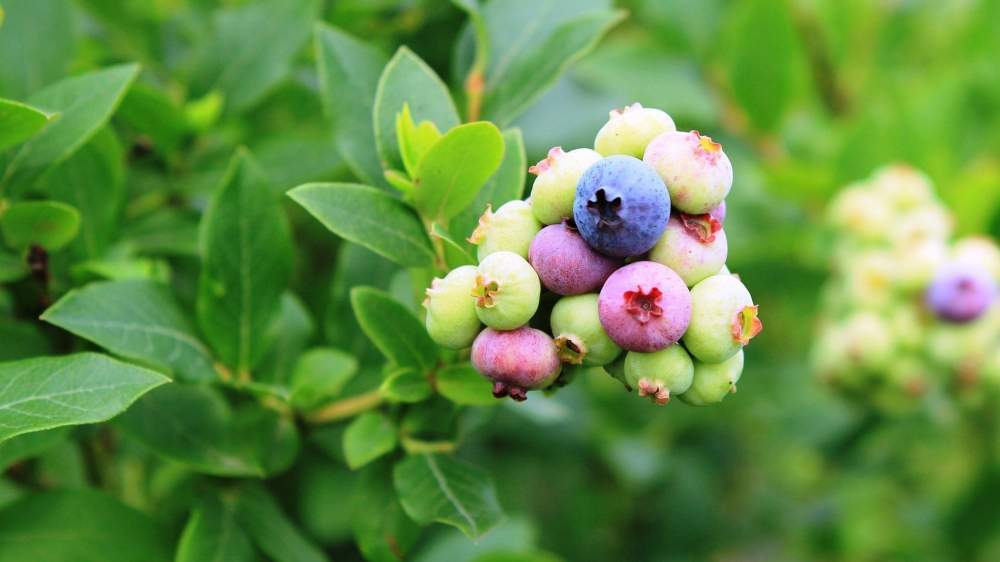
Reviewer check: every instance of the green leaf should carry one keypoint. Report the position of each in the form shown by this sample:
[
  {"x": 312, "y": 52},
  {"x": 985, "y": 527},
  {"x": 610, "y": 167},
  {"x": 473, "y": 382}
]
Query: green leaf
[
  {"x": 47, "y": 392},
  {"x": 440, "y": 488},
  {"x": 369, "y": 436},
  {"x": 505, "y": 185},
  {"x": 320, "y": 375},
  {"x": 48, "y": 224},
  {"x": 355, "y": 265},
  {"x": 195, "y": 426},
  {"x": 535, "y": 71},
  {"x": 85, "y": 104},
  {"x": 271, "y": 530},
  {"x": 82, "y": 525},
  {"x": 369, "y": 217},
  {"x": 212, "y": 535},
  {"x": 407, "y": 79},
  {"x": 246, "y": 262},
  {"x": 455, "y": 252},
  {"x": 270, "y": 437},
  {"x": 252, "y": 48},
  {"x": 36, "y": 45},
  {"x": 399, "y": 180},
  {"x": 406, "y": 385},
  {"x": 414, "y": 141},
  {"x": 92, "y": 180},
  {"x": 394, "y": 330},
  {"x": 152, "y": 113},
  {"x": 19, "y": 122},
  {"x": 761, "y": 61},
  {"x": 22, "y": 340},
  {"x": 291, "y": 332},
  {"x": 29, "y": 445},
  {"x": 462, "y": 384},
  {"x": 451, "y": 173},
  {"x": 12, "y": 267},
  {"x": 138, "y": 319},
  {"x": 382, "y": 530},
  {"x": 349, "y": 72}
]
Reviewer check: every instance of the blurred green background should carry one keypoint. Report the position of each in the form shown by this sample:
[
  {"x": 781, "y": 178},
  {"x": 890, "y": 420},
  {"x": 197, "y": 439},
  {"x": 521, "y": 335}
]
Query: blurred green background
[{"x": 805, "y": 96}]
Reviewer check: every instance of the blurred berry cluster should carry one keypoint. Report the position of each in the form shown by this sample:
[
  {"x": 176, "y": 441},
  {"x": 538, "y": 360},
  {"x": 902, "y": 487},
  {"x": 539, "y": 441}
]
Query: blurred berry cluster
[
  {"x": 909, "y": 313},
  {"x": 616, "y": 260}
]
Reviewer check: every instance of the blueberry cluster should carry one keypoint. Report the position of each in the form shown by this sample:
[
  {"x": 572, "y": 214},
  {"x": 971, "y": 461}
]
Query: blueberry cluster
[
  {"x": 626, "y": 240},
  {"x": 908, "y": 312}
]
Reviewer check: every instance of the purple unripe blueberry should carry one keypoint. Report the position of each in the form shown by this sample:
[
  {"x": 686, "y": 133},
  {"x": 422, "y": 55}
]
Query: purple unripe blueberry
[
  {"x": 516, "y": 361},
  {"x": 566, "y": 264},
  {"x": 629, "y": 130},
  {"x": 621, "y": 206},
  {"x": 713, "y": 381},
  {"x": 452, "y": 321},
  {"x": 960, "y": 292},
  {"x": 644, "y": 307},
  {"x": 579, "y": 337},
  {"x": 661, "y": 373},
  {"x": 694, "y": 246},
  {"x": 554, "y": 190},
  {"x": 696, "y": 170},
  {"x": 723, "y": 319},
  {"x": 506, "y": 291},
  {"x": 510, "y": 228},
  {"x": 719, "y": 212}
]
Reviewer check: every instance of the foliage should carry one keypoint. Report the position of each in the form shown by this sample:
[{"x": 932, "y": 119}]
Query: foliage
[{"x": 218, "y": 216}]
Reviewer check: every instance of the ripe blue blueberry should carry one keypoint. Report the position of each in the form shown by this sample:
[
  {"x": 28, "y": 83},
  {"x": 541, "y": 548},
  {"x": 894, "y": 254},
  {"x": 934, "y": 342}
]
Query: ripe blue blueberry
[
  {"x": 961, "y": 292},
  {"x": 621, "y": 206}
]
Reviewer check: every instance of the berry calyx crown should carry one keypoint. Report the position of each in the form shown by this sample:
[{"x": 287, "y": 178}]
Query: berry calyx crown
[
  {"x": 543, "y": 165},
  {"x": 479, "y": 234},
  {"x": 570, "y": 350},
  {"x": 704, "y": 226},
  {"x": 706, "y": 142},
  {"x": 486, "y": 291},
  {"x": 746, "y": 325},
  {"x": 642, "y": 304},
  {"x": 618, "y": 112},
  {"x": 654, "y": 390}
]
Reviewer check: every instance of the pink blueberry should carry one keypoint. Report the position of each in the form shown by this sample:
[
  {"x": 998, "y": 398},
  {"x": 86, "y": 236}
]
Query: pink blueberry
[
  {"x": 697, "y": 172},
  {"x": 645, "y": 307},
  {"x": 566, "y": 264},
  {"x": 516, "y": 361},
  {"x": 694, "y": 246}
]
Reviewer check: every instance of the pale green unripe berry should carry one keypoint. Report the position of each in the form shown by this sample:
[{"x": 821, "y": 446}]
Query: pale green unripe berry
[
  {"x": 554, "y": 190},
  {"x": 930, "y": 223},
  {"x": 510, "y": 229},
  {"x": 452, "y": 321},
  {"x": 870, "y": 278},
  {"x": 661, "y": 373},
  {"x": 506, "y": 291},
  {"x": 960, "y": 346},
  {"x": 723, "y": 319},
  {"x": 861, "y": 212},
  {"x": 578, "y": 334},
  {"x": 630, "y": 130},
  {"x": 870, "y": 341},
  {"x": 918, "y": 263},
  {"x": 981, "y": 250},
  {"x": 616, "y": 369},
  {"x": 903, "y": 186},
  {"x": 713, "y": 381}
]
